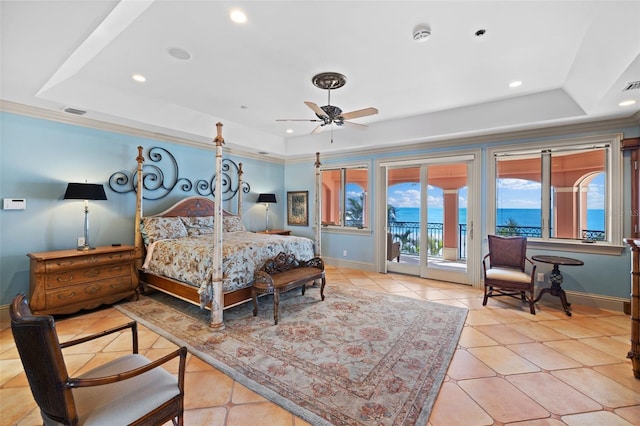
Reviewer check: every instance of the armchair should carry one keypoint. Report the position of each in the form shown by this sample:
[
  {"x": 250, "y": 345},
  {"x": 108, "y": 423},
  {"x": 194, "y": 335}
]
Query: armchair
[
  {"x": 127, "y": 390},
  {"x": 506, "y": 274},
  {"x": 393, "y": 249}
]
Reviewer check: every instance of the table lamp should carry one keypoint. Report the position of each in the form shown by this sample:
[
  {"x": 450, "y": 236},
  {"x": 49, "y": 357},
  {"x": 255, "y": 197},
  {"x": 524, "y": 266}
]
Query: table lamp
[
  {"x": 86, "y": 192},
  {"x": 266, "y": 199}
]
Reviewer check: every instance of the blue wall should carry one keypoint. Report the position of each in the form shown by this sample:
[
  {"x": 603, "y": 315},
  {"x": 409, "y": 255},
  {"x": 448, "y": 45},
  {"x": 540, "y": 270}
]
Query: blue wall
[{"x": 39, "y": 157}]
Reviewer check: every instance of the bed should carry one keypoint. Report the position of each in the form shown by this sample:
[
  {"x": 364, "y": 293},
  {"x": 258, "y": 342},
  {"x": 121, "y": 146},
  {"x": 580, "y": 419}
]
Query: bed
[{"x": 200, "y": 253}]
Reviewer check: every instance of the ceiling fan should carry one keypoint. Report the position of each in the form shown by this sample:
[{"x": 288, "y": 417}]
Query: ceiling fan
[{"x": 331, "y": 114}]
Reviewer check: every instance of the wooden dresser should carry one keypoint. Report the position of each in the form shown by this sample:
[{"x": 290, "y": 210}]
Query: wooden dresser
[{"x": 65, "y": 281}]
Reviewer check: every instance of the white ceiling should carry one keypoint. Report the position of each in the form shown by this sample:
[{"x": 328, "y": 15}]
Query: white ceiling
[{"x": 573, "y": 57}]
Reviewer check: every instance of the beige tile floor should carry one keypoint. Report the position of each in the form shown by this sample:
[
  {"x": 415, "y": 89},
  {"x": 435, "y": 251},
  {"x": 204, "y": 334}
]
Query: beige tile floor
[{"x": 510, "y": 367}]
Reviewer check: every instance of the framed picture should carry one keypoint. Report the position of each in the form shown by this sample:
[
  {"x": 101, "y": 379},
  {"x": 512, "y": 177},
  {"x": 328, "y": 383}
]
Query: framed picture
[{"x": 298, "y": 208}]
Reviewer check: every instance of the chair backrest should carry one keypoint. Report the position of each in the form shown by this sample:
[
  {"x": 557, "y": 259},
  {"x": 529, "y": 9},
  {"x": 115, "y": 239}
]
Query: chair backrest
[
  {"x": 507, "y": 252},
  {"x": 39, "y": 349}
]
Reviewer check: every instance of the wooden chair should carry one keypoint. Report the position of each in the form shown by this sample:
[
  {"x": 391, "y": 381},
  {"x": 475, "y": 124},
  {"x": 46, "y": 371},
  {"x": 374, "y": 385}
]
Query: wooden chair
[
  {"x": 393, "y": 249},
  {"x": 130, "y": 390},
  {"x": 506, "y": 274}
]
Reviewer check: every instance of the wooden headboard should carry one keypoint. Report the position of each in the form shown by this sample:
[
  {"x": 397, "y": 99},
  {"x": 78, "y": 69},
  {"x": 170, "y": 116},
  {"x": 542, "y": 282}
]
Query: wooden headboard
[{"x": 194, "y": 206}]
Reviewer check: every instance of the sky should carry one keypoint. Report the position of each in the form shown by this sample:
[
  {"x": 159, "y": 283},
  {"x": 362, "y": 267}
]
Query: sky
[{"x": 512, "y": 193}]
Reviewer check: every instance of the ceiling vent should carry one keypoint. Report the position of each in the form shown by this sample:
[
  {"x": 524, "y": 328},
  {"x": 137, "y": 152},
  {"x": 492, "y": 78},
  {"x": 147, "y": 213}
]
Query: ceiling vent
[
  {"x": 632, "y": 86},
  {"x": 74, "y": 111}
]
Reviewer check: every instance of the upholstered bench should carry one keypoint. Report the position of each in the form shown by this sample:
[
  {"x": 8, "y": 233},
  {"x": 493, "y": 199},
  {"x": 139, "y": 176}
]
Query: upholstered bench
[{"x": 283, "y": 273}]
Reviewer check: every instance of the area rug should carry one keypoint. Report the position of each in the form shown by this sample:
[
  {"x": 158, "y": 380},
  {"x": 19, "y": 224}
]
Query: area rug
[{"x": 357, "y": 358}]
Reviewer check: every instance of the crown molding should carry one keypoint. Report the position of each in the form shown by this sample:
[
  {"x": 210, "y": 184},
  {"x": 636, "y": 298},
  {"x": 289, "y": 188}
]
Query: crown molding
[{"x": 394, "y": 147}]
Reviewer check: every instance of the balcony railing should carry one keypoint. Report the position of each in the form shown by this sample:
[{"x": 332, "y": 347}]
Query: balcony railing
[{"x": 408, "y": 234}]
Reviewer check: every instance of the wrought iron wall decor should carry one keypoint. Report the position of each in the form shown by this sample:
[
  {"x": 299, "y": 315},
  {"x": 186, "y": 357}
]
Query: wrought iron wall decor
[{"x": 162, "y": 177}]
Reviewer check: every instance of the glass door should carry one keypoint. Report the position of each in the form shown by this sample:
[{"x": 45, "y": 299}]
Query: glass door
[{"x": 430, "y": 219}]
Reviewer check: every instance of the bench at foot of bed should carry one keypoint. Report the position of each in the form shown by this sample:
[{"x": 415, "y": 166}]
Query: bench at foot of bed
[{"x": 283, "y": 273}]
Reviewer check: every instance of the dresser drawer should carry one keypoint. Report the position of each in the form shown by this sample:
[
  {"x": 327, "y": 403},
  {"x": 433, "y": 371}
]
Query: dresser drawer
[
  {"x": 69, "y": 277},
  {"x": 65, "y": 263},
  {"x": 86, "y": 292}
]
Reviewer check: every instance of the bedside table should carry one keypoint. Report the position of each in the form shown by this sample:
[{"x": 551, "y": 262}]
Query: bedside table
[
  {"x": 275, "y": 232},
  {"x": 65, "y": 281}
]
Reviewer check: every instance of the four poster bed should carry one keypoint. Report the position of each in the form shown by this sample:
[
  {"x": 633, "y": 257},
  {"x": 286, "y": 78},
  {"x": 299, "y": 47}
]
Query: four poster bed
[{"x": 200, "y": 253}]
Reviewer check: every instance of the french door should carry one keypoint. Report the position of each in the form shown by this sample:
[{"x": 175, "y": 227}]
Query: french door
[{"x": 431, "y": 209}]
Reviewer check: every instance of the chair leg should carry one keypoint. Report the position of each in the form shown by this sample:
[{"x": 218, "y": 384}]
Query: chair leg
[
  {"x": 532, "y": 307},
  {"x": 486, "y": 296}
]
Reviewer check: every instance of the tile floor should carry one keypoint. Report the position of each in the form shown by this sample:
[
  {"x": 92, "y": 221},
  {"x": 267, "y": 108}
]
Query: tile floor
[{"x": 510, "y": 367}]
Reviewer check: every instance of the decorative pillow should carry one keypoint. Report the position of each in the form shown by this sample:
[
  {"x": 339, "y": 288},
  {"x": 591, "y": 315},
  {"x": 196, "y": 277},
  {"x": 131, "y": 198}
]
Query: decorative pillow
[
  {"x": 200, "y": 225},
  {"x": 162, "y": 228},
  {"x": 232, "y": 223}
]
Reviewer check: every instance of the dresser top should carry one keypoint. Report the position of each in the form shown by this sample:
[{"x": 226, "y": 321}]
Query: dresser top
[{"x": 57, "y": 254}]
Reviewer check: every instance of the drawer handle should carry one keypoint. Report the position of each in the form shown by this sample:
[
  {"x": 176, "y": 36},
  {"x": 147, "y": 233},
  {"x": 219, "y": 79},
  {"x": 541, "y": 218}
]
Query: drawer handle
[
  {"x": 116, "y": 269},
  {"x": 117, "y": 285},
  {"x": 115, "y": 256},
  {"x": 66, "y": 295},
  {"x": 92, "y": 290},
  {"x": 65, "y": 262},
  {"x": 92, "y": 273},
  {"x": 62, "y": 279}
]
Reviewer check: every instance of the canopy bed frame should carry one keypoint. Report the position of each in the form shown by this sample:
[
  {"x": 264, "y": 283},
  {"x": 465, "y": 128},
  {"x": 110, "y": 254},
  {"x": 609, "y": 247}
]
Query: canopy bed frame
[{"x": 209, "y": 294}]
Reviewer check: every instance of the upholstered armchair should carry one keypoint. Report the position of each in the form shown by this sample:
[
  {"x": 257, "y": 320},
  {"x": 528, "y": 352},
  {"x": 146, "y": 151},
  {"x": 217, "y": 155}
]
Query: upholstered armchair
[
  {"x": 393, "y": 249},
  {"x": 127, "y": 390},
  {"x": 505, "y": 274}
]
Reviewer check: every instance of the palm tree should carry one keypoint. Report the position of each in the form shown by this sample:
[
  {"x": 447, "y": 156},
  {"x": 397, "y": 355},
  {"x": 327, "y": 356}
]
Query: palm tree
[
  {"x": 511, "y": 228},
  {"x": 353, "y": 213},
  {"x": 392, "y": 214}
]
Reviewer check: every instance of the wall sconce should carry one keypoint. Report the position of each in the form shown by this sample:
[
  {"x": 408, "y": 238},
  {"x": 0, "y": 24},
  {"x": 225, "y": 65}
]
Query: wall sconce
[
  {"x": 86, "y": 192},
  {"x": 266, "y": 199}
]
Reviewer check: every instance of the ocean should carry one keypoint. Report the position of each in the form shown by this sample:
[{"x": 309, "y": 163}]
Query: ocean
[{"x": 523, "y": 217}]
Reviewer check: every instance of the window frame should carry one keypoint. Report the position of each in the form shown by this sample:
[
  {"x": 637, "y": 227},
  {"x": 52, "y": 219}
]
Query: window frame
[
  {"x": 367, "y": 210},
  {"x": 614, "y": 189}
]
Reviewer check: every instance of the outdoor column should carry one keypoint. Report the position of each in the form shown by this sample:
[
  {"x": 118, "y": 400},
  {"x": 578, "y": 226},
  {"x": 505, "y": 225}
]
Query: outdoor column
[
  {"x": 450, "y": 225},
  {"x": 566, "y": 220}
]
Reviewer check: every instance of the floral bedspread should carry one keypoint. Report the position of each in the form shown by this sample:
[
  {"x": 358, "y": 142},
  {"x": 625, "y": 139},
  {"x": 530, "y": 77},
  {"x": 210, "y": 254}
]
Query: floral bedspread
[{"x": 189, "y": 259}]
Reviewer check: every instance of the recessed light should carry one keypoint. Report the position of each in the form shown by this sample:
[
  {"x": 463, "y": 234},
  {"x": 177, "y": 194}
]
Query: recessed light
[
  {"x": 289, "y": 130},
  {"x": 139, "y": 78},
  {"x": 516, "y": 83},
  {"x": 238, "y": 16},
  {"x": 179, "y": 53},
  {"x": 627, "y": 103}
]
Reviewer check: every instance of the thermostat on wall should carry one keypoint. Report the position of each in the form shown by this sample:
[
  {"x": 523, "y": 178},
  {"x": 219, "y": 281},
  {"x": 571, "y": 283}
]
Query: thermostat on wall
[{"x": 15, "y": 204}]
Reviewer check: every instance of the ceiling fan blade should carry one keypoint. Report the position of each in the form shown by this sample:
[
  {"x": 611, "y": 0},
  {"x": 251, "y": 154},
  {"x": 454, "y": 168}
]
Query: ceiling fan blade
[
  {"x": 359, "y": 113},
  {"x": 357, "y": 125},
  {"x": 297, "y": 119},
  {"x": 317, "y": 129},
  {"x": 316, "y": 109}
]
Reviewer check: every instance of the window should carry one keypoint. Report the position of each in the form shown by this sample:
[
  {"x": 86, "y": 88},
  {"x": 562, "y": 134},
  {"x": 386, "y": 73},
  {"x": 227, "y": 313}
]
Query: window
[
  {"x": 567, "y": 191},
  {"x": 344, "y": 197}
]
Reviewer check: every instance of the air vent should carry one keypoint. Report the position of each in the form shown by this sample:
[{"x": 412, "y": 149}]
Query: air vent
[
  {"x": 74, "y": 111},
  {"x": 632, "y": 86}
]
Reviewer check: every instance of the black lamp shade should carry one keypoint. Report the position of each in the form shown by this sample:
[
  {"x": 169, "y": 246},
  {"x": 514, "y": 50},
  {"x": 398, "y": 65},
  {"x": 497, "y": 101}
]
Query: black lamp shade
[
  {"x": 85, "y": 191},
  {"x": 267, "y": 198}
]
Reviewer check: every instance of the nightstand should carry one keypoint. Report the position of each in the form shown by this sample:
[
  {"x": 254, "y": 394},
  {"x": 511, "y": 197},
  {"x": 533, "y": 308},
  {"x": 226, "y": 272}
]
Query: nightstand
[
  {"x": 275, "y": 232},
  {"x": 65, "y": 281}
]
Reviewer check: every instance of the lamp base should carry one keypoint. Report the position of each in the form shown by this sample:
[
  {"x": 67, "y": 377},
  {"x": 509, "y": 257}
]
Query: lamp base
[{"x": 85, "y": 248}]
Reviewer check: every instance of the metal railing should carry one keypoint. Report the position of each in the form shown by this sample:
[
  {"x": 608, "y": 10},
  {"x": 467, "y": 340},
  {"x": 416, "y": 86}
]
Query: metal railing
[{"x": 408, "y": 234}]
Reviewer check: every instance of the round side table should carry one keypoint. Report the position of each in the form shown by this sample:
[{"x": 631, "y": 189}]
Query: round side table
[{"x": 556, "y": 277}]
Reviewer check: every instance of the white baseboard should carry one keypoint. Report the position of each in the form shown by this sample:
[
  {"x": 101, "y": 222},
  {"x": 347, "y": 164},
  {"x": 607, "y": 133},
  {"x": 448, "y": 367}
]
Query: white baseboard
[
  {"x": 587, "y": 299},
  {"x": 351, "y": 264}
]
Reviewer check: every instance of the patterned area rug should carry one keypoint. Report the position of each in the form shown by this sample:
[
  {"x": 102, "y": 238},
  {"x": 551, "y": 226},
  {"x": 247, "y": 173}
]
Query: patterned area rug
[{"x": 358, "y": 358}]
